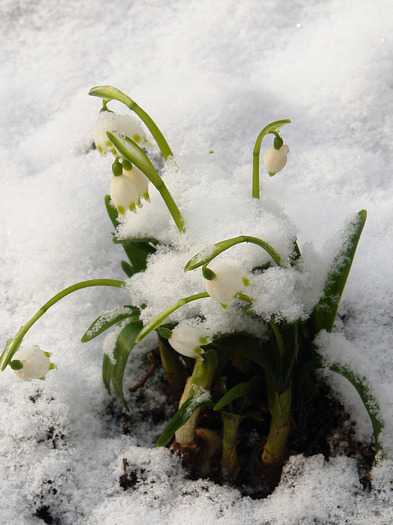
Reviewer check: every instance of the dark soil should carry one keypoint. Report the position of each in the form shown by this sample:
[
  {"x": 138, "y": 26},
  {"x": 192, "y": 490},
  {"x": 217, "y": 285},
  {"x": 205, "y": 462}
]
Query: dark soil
[{"x": 321, "y": 426}]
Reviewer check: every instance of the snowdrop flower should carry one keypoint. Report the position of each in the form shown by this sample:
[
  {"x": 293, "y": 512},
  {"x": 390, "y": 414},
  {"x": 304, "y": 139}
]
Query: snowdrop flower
[
  {"x": 124, "y": 194},
  {"x": 31, "y": 363},
  {"x": 275, "y": 159},
  {"x": 226, "y": 283},
  {"x": 109, "y": 121},
  {"x": 187, "y": 341},
  {"x": 139, "y": 180}
]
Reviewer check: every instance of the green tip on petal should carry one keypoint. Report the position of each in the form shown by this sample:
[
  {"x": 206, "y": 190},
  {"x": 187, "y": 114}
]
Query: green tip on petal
[
  {"x": 246, "y": 281},
  {"x": 121, "y": 210}
]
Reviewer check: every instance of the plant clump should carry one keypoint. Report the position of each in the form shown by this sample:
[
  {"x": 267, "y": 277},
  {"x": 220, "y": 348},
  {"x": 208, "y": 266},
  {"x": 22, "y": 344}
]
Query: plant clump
[{"x": 238, "y": 308}]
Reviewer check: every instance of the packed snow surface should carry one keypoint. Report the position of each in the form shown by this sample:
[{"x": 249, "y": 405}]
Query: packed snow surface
[{"x": 212, "y": 75}]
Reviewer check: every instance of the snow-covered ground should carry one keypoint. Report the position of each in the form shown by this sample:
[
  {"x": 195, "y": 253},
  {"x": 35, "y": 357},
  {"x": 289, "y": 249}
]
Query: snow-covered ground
[{"x": 212, "y": 74}]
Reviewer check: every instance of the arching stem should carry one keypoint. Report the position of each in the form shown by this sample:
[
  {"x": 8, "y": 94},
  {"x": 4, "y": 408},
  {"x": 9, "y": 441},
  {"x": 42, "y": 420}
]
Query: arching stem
[{"x": 14, "y": 343}]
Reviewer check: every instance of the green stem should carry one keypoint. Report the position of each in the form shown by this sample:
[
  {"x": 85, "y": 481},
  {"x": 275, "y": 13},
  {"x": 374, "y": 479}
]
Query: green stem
[
  {"x": 109, "y": 93},
  {"x": 201, "y": 378},
  {"x": 280, "y": 409},
  {"x": 230, "y": 466},
  {"x": 159, "y": 318},
  {"x": 132, "y": 152},
  {"x": 279, "y": 339},
  {"x": 14, "y": 343},
  {"x": 174, "y": 371},
  {"x": 270, "y": 128},
  {"x": 203, "y": 258}
]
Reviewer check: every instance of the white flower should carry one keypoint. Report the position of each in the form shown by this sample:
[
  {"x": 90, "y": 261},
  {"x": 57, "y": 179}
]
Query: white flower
[
  {"x": 187, "y": 341},
  {"x": 35, "y": 363},
  {"x": 275, "y": 159},
  {"x": 109, "y": 121},
  {"x": 124, "y": 194},
  {"x": 139, "y": 180},
  {"x": 229, "y": 280}
]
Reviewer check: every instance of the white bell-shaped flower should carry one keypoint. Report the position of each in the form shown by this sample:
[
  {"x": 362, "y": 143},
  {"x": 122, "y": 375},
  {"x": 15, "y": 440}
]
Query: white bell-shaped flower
[
  {"x": 187, "y": 341},
  {"x": 35, "y": 363},
  {"x": 139, "y": 180},
  {"x": 274, "y": 160},
  {"x": 124, "y": 194},
  {"x": 228, "y": 281},
  {"x": 109, "y": 121}
]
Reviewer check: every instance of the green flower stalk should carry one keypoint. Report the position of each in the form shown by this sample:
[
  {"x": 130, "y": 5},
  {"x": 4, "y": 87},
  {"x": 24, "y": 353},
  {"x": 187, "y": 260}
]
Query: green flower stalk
[
  {"x": 200, "y": 380},
  {"x": 280, "y": 410},
  {"x": 134, "y": 154},
  {"x": 230, "y": 466},
  {"x": 14, "y": 343},
  {"x": 272, "y": 128},
  {"x": 174, "y": 370},
  {"x": 109, "y": 93}
]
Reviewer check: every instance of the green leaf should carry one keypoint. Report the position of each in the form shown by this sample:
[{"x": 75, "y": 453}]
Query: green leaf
[
  {"x": 239, "y": 390},
  {"x": 107, "y": 366},
  {"x": 124, "y": 344},
  {"x": 137, "y": 250},
  {"x": 112, "y": 211},
  {"x": 127, "y": 268},
  {"x": 251, "y": 348},
  {"x": 371, "y": 405},
  {"x": 324, "y": 313},
  {"x": 108, "y": 319},
  {"x": 182, "y": 415}
]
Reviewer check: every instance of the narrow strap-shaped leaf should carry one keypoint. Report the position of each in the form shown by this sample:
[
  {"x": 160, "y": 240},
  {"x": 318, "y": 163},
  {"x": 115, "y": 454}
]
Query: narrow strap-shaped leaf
[
  {"x": 108, "y": 319},
  {"x": 370, "y": 403},
  {"x": 107, "y": 366},
  {"x": 239, "y": 390},
  {"x": 325, "y": 311},
  {"x": 182, "y": 415},
  {"x": 251, "y": 348},
  {"x": 137, "y": 250},
  {"x": 124, "y": 344}
]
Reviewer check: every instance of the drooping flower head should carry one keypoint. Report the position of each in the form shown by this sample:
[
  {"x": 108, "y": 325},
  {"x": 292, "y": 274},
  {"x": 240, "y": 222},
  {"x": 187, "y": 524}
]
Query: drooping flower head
[
  {"x": 187, "y": 341},
  {"x": 274, "y": 159},
  {"x": 139, "y": 180},
  {"x": 109, "y": 121},
  {"x": 124, "y": 195},
  {"x": 228, "y": 280},
  {"x": 30, "y": 362}
]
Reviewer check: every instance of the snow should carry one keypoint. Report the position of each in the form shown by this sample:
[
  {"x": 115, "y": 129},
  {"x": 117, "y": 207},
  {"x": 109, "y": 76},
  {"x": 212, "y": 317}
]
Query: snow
[{"x": 211, "y": 75}]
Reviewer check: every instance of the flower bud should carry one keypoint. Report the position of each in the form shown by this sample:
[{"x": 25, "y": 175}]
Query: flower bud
[
  {"x": 228, "y": 281},
  {"x": 109, "y": 121},
  {"x": 275, "y": 159},
  {"x": 124, "y": 195},
  {"x": 187, "y": 340},
  {"x": 31, "y": 363},
  {"x": 139, "y": 180}
]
